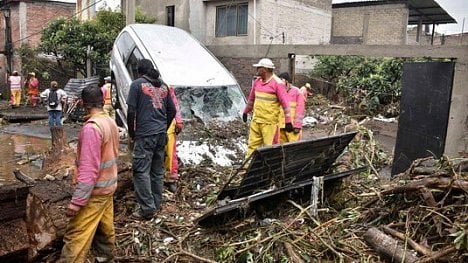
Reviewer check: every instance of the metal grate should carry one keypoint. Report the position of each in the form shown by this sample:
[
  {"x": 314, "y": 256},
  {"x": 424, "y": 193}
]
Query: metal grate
[
  {"x": 280, "y": 165},
  {"x": 74, "y": 87}
]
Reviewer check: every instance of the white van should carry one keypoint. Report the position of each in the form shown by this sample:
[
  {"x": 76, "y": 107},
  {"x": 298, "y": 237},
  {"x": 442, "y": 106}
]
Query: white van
[{"x": 204, "y": 87}]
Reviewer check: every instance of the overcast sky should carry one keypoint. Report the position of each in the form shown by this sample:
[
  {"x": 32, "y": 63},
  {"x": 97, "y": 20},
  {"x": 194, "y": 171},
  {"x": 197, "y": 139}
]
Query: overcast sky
[{"x": 458, "y": 9}]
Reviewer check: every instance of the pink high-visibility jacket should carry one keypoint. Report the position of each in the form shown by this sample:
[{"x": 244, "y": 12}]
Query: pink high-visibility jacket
[{"x": 265, "y": 100}]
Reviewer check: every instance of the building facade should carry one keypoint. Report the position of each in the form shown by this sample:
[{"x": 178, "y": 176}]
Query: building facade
[
  {"x": 247, "y": 22},
  {"x": 382, "y": 24},
  {"x": 22, "y": 23}
]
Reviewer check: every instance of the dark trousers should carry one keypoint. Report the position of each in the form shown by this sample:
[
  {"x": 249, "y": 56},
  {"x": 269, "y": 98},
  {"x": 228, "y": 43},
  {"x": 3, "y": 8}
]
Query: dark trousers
[{"x": 148, "y": 172}]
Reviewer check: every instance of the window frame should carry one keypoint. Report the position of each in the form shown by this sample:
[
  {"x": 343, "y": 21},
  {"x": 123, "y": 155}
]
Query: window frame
[
  {"x": 170, "y": 20},
  {"x": 225, "y": 26}
]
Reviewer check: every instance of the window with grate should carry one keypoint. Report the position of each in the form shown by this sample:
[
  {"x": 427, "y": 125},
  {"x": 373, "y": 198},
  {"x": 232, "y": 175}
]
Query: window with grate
[{"x": 231, "y": 20}]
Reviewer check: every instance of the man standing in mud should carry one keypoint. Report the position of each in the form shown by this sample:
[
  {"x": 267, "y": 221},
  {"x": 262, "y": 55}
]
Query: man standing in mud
[
  {"x": 91, "y": 209},
  {"x": 266, "y": 96},
  {"x": 150, "y": 112}
]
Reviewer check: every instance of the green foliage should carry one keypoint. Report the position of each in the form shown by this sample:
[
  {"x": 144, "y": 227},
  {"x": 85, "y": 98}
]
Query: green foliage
[
  {"x": 224, "y": 253},
  {"x": 68, "y": 39},
  {"x": 45, "y": 68},
  {"x": 368, "y": 84},
  {"x": 460, "y": 237},
  {"x": 142, "y": 18}
]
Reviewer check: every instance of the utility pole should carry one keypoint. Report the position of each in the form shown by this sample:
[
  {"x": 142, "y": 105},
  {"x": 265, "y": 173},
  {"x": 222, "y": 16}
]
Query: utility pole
[
  {"x": 88, "y": 62},
  {"x": 130, "y": 12},
  {"x": 8, "y": 43},
  {"x": 463, "y": 29}
]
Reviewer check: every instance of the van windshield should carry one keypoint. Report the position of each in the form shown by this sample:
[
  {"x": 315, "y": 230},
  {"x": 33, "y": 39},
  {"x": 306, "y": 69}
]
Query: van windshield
[{"x": 223, "y": 102}]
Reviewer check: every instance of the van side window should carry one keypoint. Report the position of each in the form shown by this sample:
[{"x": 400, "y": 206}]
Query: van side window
[
  {"x": 125, "y": 44},
  {"x": 132, "y": 63}
]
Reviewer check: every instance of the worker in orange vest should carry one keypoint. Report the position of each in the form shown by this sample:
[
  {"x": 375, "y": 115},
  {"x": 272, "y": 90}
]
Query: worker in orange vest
[{"x": 106, "y": 92}]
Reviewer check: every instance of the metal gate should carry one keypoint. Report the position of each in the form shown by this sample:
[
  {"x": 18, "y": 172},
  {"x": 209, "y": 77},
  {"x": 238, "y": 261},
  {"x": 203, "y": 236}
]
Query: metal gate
[{"x": 426, "y": 92}]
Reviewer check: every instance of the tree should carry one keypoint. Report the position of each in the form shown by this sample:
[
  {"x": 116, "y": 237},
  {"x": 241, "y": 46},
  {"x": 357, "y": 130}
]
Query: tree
[{"x": 68, "y": 40}]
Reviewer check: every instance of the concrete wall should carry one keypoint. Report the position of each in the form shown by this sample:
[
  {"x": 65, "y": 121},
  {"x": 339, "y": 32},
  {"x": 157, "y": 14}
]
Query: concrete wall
[
  {"x": 239, "y": 59},
  {"x": 277, "y": 22},
  {"x": 189, "y": 14},
  {"x": 371, "y": 25},
  {"x": 301, "y": 21}
]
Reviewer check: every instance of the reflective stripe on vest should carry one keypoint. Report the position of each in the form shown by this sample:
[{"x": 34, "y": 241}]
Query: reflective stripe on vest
[
  {"x": 107, "y": 98},
  {"x": 266, "y": 108},
  {"x": 103, "y": 165},
  {"x": 102, "y": 184}
]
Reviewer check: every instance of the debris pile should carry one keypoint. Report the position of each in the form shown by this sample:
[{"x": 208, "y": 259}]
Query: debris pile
[
  {"x": 423, "y": 212},
  {"x": 424, "y": 208}
]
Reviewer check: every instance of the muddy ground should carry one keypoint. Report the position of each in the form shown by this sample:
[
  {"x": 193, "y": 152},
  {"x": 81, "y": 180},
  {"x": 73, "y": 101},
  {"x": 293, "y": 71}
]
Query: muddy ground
[{"x": 198, "y": 184}]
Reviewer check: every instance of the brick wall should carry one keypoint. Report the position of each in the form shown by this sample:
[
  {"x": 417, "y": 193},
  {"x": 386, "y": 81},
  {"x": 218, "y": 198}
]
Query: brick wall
[
  {"x": 27, "y": 20},
  {"x": 371, "y": 25},
  {"x": 301, "y": 22},
  {"x": 31, "y": 17}
]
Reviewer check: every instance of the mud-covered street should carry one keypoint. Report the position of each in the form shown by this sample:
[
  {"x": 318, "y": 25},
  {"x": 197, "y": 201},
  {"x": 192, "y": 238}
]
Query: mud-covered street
[{"x": 351, "y": 211}]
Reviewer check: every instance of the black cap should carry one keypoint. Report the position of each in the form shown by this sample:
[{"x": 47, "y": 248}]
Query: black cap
[
  {"x": 92, "y": 96},
  {"x": 285, "y": 76}
]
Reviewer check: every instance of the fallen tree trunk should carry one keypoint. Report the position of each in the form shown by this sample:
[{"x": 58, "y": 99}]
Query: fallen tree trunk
[
  {"x": 421, "y": 249},
  {"x": 59, "y": 140},
  {"x": 388, "y": 247},
  {"x": 429, "y": 182}
]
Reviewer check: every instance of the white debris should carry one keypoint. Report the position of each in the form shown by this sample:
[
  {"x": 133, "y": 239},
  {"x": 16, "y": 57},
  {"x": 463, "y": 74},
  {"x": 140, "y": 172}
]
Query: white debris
[
  {"x": 194, "y": 152},
  {"x": 383, "y": 119},
  {"x": 168, "y": 240},
  {"x": 309, "y": 122},
  {"x": 49, "y": 177}
]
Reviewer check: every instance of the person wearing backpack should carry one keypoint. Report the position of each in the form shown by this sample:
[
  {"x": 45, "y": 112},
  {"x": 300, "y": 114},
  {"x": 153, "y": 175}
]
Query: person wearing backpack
[{"x": 54, "y": 98}]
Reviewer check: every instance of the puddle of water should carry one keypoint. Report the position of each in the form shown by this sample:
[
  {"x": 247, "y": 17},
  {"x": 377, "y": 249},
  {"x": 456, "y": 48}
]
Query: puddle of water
[{"x": 19, "y": 148}]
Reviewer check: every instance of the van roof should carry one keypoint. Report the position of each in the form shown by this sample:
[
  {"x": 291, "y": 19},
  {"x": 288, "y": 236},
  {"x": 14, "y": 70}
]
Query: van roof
[{"x": 180, "y": 58}]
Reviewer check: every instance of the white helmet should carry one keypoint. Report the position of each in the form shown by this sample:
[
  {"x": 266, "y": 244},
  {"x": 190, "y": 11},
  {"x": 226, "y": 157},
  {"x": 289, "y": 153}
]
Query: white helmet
[{"x": 265, "y": 62}]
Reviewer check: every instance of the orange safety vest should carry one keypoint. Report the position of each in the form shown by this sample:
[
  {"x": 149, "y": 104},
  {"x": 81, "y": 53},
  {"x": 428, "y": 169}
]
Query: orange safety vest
[
  {"x": 107, "y": 98},
  {"x": 106, "y": 182}
]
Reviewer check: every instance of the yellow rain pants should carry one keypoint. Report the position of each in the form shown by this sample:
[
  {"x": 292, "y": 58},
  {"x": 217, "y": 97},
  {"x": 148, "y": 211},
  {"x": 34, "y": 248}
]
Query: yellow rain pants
[
  {"x": 170, "y": 163},
  {"x": 261, "y": 134},
  {"x": 93, "y": 224},
  {"x": 289, "y": 136}
]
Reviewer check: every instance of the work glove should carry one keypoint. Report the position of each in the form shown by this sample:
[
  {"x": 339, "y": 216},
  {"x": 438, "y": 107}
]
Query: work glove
[
  {"x": 178, "y": 128},
  {"x": 289, "y": 127},
  {"x": 72, "y": 210},
  {"x": 244, "y": 117}
]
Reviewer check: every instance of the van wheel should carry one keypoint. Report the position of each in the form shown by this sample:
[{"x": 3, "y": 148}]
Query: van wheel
[{"x": 114, "y": 97}]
